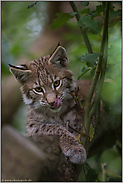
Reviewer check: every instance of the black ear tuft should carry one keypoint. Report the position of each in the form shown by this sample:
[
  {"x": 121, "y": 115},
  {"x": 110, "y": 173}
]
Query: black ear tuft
[
  {"x": 58, "y": 44},
  {"x": 20, "y": 72},
  {"x": 12, "y": 65},
  {"x": 55, "y": 48},
  {"x": 22, "y": 66}
]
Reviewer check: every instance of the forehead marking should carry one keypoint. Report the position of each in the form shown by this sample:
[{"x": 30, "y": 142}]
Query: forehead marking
[
  {"x": 43, "y": 73},
  {"x": 36, "y": 82}
]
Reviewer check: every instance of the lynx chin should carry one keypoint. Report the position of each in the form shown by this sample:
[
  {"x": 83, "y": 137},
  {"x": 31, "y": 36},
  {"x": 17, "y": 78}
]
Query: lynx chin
[{"x": 47, "y": 89}]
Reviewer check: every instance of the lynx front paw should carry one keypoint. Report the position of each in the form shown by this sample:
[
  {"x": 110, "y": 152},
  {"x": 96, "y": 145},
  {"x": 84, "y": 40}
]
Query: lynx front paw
[{"x": 76, "y": 153}]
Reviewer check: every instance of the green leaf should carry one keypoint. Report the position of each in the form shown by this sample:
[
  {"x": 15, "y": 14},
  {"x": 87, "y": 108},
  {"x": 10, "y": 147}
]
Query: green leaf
[
  {"x": 72, "y": 14},
  {"x": 98, "y": 11},
  {"x": 115, "y": 13},
  {"x": 85, "y": 11},
  {"x": 91, "y": 24},
  {"x": 84, "y": 3},
  {"x": 84, "y": 71},
  {"x": 90, "y": 59},
  {"x": 61, "y": 19}
]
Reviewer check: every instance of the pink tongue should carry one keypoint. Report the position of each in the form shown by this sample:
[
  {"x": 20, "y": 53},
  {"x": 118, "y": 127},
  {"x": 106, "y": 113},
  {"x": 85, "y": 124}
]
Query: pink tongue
[{"x": 57, "y": 103}]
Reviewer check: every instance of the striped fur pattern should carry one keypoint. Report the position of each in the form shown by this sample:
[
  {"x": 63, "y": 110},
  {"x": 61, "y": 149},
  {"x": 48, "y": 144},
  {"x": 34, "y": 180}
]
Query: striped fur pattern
[{"x": 47, "y": 87}]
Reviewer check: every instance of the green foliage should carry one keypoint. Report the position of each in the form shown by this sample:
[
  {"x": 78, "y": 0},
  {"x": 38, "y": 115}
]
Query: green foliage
[
  {"x": 84, "y": 71},
  {"x": 91, "y": 62},
  {"x": 90, "y": 24},
  {"x": 90, "y": 59},
  {"x": 97, "y": 12},
  {"x": 84, "y": 11},
  {"x": 61, "y": 19},
  {"x": 84, "y": 3},
  {"x": 112, "y": 171},
  {"x": 115, "y": 13}
]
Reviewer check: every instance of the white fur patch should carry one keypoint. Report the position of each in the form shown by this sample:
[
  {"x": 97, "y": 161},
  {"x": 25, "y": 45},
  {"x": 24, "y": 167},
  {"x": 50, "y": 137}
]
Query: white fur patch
[{"x": 26, "y": 100}]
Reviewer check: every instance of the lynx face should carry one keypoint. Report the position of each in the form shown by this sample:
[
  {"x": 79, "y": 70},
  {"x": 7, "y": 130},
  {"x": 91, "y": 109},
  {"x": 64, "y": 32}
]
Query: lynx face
[{"x": 46, "y": 83}]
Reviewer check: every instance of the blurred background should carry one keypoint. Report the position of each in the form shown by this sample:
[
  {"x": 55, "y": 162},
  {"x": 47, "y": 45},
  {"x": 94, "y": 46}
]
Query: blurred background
[{"x": 27, "y": 35}]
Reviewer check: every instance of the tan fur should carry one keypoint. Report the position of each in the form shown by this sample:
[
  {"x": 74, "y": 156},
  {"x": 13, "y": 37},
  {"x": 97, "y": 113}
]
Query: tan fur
[{"x": 46, "y": 83}]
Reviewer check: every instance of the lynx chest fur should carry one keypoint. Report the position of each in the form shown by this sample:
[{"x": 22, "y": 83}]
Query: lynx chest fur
[{"x": 47, "y": 89}]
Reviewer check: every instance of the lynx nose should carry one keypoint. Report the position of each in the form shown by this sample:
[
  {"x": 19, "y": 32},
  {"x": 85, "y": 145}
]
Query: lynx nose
[{"x": 51, "y": 98}]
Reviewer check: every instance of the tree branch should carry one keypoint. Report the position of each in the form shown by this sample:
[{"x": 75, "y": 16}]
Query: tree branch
[
  {"x": 87, "y": 42},
  {"x": 100, "y": 71}
]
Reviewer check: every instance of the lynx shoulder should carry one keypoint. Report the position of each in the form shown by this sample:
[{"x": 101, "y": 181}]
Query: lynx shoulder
[{"x": 48, "y": 88}]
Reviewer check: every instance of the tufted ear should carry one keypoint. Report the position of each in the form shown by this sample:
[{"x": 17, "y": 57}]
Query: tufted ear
[
  {"x": 21, "y": 72},
  {"x": 59, "y": 57}
]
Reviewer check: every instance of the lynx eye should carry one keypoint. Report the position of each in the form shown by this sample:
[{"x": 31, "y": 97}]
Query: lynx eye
[
  {"x": 57, "y": 83},
  {"x": 39, "y": 89}
]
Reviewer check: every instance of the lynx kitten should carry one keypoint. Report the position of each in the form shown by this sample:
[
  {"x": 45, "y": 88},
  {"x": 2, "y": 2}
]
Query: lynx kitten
[{"x": 47, "y": 87}]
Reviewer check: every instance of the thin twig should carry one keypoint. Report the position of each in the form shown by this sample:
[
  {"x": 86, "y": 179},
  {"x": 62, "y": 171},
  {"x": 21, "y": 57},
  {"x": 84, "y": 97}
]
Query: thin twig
[
  {"x": 104, "y": 49},
  {"x": 104, "y": 172}
]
